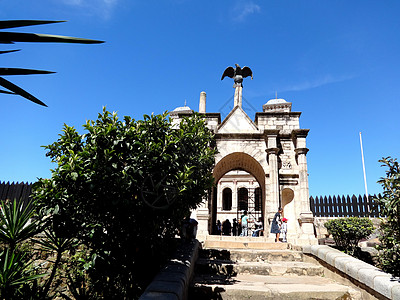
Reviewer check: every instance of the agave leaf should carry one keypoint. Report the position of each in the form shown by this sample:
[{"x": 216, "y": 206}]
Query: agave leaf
[
  {"x": 17, "y": 90},
  {"x": 9, "y": 51},
  {"x": 7, "y": 92},
  {"x": 55, "y": 243},
  {"x": 16, "y": 222},
  {"x": 21, "y": 23},
  {"x": 19, "y": 71},
  {"x": 43, "y": 38},
  {"x": 15, "y": 269}
]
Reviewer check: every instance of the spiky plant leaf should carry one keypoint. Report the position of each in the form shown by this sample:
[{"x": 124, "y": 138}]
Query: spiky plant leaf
[
  {"x": 17, "y": 90},
  {"x": 16, "y": 223},
  {"x": 21, "y": 23},
  {"x": 43, "y": 38},
  {"x": 19, "y": 71},
  {"x": 9, "y": 51}
]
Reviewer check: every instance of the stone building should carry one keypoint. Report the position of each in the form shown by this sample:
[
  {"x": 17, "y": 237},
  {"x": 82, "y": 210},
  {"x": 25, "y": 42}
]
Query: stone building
[{"x": 260, "y": 166}]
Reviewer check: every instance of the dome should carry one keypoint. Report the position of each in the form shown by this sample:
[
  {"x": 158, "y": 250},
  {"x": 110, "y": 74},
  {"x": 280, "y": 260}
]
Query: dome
[
  {"x": 182, "y": 108},
  {"x": 277, "y": 105},
  {"x": 276, "y": 101}
]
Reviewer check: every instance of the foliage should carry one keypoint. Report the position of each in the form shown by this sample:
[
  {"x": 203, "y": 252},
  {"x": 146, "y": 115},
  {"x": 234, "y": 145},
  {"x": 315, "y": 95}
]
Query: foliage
[
  {"x": 347, "y": 232},
  {"x": 16, "y": 226},
  {"x": 17, "y": 223},
  {"x": 389, "y": 202},
  {"x": 123, "y": 188},
  {"x": 11, "y": 37}
]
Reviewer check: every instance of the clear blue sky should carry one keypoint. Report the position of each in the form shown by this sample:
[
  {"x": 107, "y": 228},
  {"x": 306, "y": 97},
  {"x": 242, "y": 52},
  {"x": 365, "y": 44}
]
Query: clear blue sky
[{"x": 336, "y": 61}]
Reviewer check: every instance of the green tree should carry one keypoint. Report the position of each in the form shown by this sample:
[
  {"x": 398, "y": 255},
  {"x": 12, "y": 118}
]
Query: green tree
[
  {"x": 389, "y": 203},
  {"x": 123, "y": 188},
  {"x": 12, "y": 37}
]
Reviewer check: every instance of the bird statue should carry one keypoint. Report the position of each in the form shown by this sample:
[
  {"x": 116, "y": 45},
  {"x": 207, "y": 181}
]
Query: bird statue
[{"x": 237, "y": 74}]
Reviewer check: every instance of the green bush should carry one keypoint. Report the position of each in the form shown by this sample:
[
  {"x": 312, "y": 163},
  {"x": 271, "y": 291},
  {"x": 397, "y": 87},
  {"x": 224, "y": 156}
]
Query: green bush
[
  {"x": 122, "y": 189},
  {"x": 347, "y": 232},
  {"x": 389, "y": 203}
]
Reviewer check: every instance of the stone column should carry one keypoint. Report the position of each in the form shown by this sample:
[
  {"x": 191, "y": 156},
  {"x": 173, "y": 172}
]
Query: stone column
[
  {"x": 237, "y": 101},
  {"x": 202, "y": 104},
  {"x": 202, "y": 216},
  {"x": 305, "y": 218},
  {"x": 234, "y": 195},
  {"x": 272, "y": 195}
]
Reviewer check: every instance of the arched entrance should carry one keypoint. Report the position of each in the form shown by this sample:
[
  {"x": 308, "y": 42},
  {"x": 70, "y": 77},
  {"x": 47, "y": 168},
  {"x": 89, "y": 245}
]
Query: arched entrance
[{"x": 239, "y": 186}]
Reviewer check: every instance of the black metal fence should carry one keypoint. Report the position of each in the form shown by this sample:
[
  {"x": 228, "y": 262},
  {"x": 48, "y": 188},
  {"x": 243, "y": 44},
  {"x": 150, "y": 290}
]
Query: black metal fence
[
  {"x": 11, "y": 191},
  {"x": 344, "y": 206}
]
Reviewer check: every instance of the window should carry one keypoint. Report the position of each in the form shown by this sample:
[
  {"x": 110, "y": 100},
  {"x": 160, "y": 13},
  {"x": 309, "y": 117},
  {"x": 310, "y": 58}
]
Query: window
[
  {"x": 243, "y": 199},
  {"x": 227, "y": 199}
]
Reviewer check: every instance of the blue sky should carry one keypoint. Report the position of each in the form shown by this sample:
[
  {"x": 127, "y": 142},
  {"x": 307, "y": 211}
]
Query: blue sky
[{"x": 336, "y": 61}]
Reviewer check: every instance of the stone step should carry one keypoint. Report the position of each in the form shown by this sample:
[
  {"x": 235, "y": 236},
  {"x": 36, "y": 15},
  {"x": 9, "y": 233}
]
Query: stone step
[
  {"x": 278, "y": 268},
  {"x": 250, "y": 286},
  {"x": 244, "y": 243},
  {"x": 265, "y": 255},
  {"x": 281, "y": 268}
]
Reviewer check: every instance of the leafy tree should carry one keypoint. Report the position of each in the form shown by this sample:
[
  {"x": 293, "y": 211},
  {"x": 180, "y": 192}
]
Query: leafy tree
[
  {"x": 389, "y": 202},
  {"x": 11, "y": 37},
  {"x": 347, "y": 232},
  {"x": 123, "y": 189}
]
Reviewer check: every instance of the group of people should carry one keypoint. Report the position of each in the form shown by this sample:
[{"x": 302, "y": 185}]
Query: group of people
[{"x": 241, "y": 228}]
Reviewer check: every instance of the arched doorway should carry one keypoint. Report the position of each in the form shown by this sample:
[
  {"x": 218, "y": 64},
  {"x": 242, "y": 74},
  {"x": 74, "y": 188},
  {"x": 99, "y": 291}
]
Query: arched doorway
[{"x": 239, "y": 181}]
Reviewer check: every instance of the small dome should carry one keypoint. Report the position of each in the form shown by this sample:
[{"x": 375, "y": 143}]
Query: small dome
[
  {"x": 276, "y": 101},
  {"x": 277, "y": 105},
  {"x": 182, "y": 108}
]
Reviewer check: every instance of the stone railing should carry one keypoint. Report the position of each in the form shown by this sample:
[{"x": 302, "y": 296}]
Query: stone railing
[
  {"x": 172, "y": 282},
  {"x": 364, "y": 274}
]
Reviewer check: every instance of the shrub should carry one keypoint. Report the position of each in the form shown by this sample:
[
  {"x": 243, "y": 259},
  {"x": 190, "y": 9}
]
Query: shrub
[
  {"x": 123, "y": 189},
  {"x": 347, "y": 232},
  {"x": 389, "y": 203}
]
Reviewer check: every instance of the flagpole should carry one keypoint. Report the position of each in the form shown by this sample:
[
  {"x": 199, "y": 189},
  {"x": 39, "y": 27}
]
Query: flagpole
[{"x": 363, "y": 164}]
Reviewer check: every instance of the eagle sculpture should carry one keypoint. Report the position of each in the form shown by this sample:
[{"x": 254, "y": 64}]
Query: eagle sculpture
[{"x": 237, "y": 74}]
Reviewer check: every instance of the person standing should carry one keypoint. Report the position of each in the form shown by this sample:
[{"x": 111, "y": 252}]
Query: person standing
[
  {"x": 284, "y": 230},
  {"x": 226, "y": 227},
  {"x": 245, "y": 223},
  {"x": 218, "y": 228},
  {"x": 275, "y": 226},
  {"x": 234, "y": 227}
]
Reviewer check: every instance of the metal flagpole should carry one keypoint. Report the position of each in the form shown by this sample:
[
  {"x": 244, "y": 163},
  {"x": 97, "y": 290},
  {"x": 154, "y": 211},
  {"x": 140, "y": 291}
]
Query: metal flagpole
[{"x": 365, "y": 176}]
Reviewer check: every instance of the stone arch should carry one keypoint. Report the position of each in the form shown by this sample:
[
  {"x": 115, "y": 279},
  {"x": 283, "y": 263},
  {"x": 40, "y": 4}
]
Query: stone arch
[{"x": 240, "y": 161}]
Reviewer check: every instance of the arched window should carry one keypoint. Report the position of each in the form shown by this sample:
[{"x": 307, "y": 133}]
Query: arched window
[
  {"x": 257, "y": 199},
  {"x": 227, "y": 199},
  {"x": 243, "y": 199}
]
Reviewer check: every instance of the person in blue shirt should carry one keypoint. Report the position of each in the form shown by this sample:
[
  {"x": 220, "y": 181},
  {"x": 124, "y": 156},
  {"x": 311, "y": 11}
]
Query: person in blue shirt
[{"x": 245, "y": 223}]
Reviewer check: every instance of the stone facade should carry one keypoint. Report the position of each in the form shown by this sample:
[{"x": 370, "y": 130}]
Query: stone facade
[{"x": 271, "y": 150}]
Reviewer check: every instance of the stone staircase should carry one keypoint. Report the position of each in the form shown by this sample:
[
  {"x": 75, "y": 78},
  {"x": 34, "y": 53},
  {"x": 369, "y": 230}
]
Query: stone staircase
[{"x": 253, "y": 268}]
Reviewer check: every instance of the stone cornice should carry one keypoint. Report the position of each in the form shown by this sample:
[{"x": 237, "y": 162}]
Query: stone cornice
[
  {"x": 301, "y": 151},
  {"x": 271, "y": 132},
  {"x": 272, "y": 151},
  {"x": 213, "y": 115},
  {"x": 300, "y": 133},
  {"x": 235, "y": 136},
  {"x": 276, "y": 114}
]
